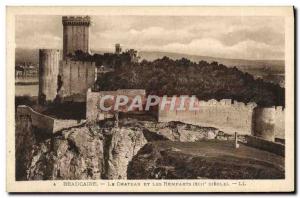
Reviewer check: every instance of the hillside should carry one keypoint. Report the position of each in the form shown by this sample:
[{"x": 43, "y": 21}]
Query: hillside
[
  {"x": 269, "y": 70},
  {"x": 203, "y": 160},
  {"x": 31, "y": 55},
  {"x": 184, "y": 77},
  {"x": 153, "y": 55}
]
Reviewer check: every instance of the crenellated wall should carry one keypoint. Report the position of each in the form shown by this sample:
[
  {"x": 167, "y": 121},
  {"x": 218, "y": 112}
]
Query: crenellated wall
[
  {"x": 225, "y": 115},
  {"x": 231, "y": 116},
  {"x": 228, "y": 116},
  {"x": 77, "y": 77}
]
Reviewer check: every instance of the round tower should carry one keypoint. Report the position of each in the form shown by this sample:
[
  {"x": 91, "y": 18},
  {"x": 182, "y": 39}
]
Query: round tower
[
  {"x": 48, "y": 72},
  {"x": 264, "y": 123}
]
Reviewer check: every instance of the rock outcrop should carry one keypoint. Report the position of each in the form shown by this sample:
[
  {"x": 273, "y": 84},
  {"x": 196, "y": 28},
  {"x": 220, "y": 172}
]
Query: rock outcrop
[
  {"x": 98, "y": 151},
  {"x": 109, "y": 151},
  {"x": 76, "y": 153},
  {"x": 85, "y": 152},
  {"x": 25, "y": 143}
]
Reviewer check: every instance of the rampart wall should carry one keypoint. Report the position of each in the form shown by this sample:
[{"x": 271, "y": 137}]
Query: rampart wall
[
  {"x": 45, "y": 123},
  {"x": 93, "y": 111},
  {"x": 38, "y": 120},
  {"x": 224, "y": 115},
  {"x": 231, "y": 116},
  {"x": 77, "y": 77}
]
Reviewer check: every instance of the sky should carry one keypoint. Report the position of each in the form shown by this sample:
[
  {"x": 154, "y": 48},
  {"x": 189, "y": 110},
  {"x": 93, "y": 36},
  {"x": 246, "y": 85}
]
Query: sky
[{"x": 255, "y": 38}]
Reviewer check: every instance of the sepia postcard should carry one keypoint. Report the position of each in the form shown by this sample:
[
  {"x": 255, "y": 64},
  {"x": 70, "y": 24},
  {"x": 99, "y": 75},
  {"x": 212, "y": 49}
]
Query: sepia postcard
[{"x": 150, "y": 99}]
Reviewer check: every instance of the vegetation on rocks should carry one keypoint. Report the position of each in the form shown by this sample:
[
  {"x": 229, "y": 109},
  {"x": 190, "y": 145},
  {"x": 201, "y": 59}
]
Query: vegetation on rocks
[{"x": 183, "y": 77}]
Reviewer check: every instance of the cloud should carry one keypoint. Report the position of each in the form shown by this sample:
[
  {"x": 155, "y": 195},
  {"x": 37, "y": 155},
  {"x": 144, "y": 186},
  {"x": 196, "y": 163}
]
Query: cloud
[
  {"x": 264, "y": 34},
  {"x": 247, "y": 49},
  {"x": 38, "y": 32},
  {"x": 142, "y": 38},
  {"x": 228, "y": 37},
  {"x": 39, "y": 41}
]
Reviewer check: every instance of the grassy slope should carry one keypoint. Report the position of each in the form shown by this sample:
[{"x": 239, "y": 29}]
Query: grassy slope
[{"x": 205, "y": 159}]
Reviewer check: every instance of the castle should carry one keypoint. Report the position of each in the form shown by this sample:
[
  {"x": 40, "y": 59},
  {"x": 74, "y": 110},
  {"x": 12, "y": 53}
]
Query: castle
[
  {"x": 64, "y": 77},
  {"x": 71, "y": 80}
]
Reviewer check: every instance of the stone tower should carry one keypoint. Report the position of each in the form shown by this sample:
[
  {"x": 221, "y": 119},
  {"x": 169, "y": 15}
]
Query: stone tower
[
  {"x": 48, "y": 71},
  {"x": 75, "y": 34},
  {"x": 118, "y": 48},
  {"x": 264, "y": 123}
]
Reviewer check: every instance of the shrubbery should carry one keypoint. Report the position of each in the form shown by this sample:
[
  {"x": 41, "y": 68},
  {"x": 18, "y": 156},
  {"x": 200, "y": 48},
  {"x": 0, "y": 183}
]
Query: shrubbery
[{"x": 183, "y": 77}]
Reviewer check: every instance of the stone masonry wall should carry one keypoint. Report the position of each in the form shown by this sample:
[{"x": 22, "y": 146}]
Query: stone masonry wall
[
  {"x": 228, "y": 117},
  {"x": 48, "y": 71},
  {"x": 77, "y": 77},
  {"x": 38, "y": 120},
  {"x": 93, "y": 112},
  {"x": 279, "y": 122},
  {"x": 75, "y": 34},
  {"x": 269, "y": 123},
  {"x": 246, "y": 119},
  {"x": 45, "y": 123}
]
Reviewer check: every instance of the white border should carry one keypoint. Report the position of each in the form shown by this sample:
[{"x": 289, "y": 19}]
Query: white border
[{"x": 93, "y": 2}]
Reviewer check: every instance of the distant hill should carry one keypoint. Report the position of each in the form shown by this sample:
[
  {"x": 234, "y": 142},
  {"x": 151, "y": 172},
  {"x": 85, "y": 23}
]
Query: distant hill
[
  {"x": 240, "y": 63},
  {"x": 269, "y": 70},
  {"x": 31, "y": 55}
]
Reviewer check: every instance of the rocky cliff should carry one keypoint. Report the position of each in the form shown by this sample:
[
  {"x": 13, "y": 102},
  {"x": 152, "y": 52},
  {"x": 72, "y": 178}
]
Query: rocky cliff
[{"x": 109, "y": 151}]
